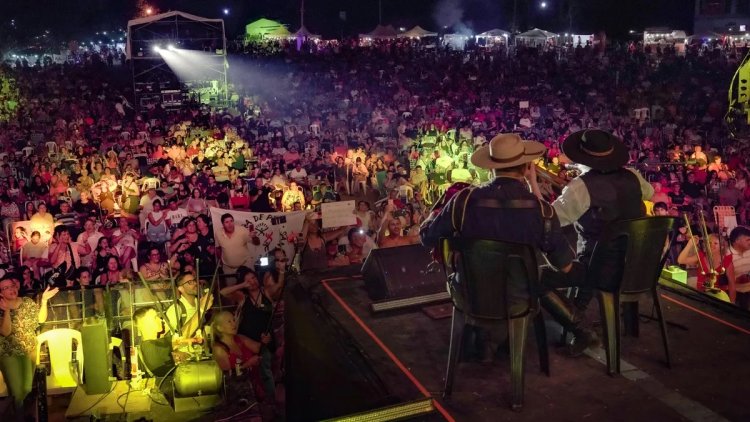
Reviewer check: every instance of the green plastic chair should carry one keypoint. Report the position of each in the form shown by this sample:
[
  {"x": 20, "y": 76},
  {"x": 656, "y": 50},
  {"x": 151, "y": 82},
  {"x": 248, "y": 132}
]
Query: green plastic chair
[
  {"x": 493, "y": 281},
  {"x": 625, "y": 264}
]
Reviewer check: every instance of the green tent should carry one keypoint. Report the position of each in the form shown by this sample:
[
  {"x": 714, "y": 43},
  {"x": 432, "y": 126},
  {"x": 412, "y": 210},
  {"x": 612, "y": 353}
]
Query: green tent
[{"x": 263, "y": 28}]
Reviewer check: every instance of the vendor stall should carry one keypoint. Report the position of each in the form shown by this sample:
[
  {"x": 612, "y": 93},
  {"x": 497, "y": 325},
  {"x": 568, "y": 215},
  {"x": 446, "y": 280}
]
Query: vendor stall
[
  {"x": 536, "y": 38},
  {"x": 492, "y": 37},
  {"x": 417, "y": 32},
  {"x": 664, "y": 37}
]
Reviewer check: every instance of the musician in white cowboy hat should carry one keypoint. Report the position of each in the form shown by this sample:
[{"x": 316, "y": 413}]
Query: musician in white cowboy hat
[
  {"x": 503, "y": 209},
  {"x": 606, "y": 191}
]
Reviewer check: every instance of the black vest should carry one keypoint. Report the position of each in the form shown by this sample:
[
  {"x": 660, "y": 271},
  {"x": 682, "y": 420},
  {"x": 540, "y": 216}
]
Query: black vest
[{"x": 614, "y": 196}]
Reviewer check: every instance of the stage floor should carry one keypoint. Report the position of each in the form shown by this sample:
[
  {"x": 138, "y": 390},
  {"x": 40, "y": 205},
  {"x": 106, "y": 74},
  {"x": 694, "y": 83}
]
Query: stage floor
[{"x": 409, "y": 350}]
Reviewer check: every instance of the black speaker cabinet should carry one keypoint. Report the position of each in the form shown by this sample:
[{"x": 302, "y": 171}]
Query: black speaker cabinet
[
  {"x": 97, "y": 357},
  {"x": 401, "y": 272}
]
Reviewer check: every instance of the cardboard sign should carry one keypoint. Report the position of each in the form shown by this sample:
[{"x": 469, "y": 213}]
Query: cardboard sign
[
  {"x": 338, "y": 214},
  {"x": 523, "y": 104}
]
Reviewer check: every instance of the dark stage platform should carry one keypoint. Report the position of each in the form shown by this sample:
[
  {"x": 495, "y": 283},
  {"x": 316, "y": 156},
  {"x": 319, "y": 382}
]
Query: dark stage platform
[{"x": 403, "y": 355}]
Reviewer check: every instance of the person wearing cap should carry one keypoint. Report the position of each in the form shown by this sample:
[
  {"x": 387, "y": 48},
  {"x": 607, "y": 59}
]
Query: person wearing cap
[
  {"x": 510, "y": 160},
  {"x": 606, "y": 191}
]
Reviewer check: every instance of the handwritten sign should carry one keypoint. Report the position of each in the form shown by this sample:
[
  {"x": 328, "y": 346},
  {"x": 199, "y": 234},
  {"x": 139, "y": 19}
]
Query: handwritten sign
[{"x": 338, "y": 214}]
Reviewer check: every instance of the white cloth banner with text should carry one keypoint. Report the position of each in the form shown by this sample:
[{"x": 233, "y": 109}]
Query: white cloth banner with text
[{"x": 269, "y": 230}]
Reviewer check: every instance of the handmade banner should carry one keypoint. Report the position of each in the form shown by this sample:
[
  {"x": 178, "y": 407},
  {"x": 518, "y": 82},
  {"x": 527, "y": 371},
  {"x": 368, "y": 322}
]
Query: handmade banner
[
  {"x": 268, "y": 230},
  {"x": 338, "y": 214}
]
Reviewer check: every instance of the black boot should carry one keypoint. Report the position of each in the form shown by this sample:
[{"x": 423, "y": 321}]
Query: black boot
[{"x": 570, "y": 318}]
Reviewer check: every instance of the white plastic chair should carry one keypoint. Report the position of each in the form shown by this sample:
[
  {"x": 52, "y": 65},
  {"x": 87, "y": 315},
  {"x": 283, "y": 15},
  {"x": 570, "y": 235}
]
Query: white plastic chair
[
  {"x": 150, "y": 183},
  {"x": 60, "y": 345},
  {"x": 73, "y": 194},
  {"x": 27, "y": 151},
  {"x": 51, "y": 148},
  {"x": 721, "y": 214},
  {"x": 406, "y": 191}
]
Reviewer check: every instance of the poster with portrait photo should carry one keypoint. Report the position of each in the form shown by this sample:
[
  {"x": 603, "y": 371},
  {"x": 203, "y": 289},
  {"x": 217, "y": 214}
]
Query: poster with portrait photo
[{"x": 20, "y": 234}]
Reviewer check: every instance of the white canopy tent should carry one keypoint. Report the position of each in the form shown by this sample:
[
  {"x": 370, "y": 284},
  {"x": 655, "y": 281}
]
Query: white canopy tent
[
  {"x": 381, "y": 32},
  {"x": 535, "y": 37},
  {"x": 417, "y": 32},
  {"x": 663, "y": 36},
  {"x": 494, "y": 33},
  {"x": 493, "y": 36},
  {"x": 303, "y": 32}
]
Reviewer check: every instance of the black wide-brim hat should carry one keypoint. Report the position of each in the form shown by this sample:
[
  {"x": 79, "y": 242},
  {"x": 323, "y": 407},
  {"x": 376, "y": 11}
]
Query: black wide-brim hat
[{"x": 597, "y": 149}]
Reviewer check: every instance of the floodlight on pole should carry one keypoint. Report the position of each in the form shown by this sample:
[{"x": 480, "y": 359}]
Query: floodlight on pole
[
  {"x": 543, "y": 5},
  {"x": 157, "y": 49},
  {"x": 226, "y": 11},
  {"x": 170, "y": 47}
]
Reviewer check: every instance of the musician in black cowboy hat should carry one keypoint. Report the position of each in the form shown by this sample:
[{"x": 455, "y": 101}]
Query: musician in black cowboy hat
[
  {"x": 606, "y": 191},
  {"x": 510, "y": 159}
]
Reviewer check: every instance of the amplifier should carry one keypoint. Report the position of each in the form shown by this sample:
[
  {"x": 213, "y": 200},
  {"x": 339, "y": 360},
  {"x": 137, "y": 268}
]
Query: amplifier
[
  {"x": 401, "y": 272},
  {"x": 97, "y": 362}
]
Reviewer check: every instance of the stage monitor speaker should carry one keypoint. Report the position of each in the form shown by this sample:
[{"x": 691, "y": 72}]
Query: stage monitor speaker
[
  {"x": 401, "y": 272},
  {"x": 97, "y": 362}
]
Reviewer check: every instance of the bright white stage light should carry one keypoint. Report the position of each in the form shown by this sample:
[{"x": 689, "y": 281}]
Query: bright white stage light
[
  {"x": 170, "y": 47},
  {"x": 157, "y": 49},
  {"x": 226, "y": 11},
  {"x": 543, "y": 5}
]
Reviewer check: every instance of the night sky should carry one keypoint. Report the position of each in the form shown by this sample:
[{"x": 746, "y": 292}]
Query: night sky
[{"x": 76, "y": 18}]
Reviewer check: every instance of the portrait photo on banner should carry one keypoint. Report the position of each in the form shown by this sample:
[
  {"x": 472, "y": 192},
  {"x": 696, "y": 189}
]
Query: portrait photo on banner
[
  {"x": 268, "y": 230},
  {"x": 20, "y": 233}
]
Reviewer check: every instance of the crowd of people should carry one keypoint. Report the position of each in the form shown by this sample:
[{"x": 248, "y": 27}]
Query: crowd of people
[{"x": 95, "y": 192}]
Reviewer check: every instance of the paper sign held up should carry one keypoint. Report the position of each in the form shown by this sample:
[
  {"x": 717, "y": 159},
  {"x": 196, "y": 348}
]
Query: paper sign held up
[
  {"x": 523, "y": 104},
  {"x": 338, "y": 214}
]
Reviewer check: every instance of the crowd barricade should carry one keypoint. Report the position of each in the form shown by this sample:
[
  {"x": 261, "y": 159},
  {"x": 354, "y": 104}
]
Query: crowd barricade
[{"x": 71, "y": 307}]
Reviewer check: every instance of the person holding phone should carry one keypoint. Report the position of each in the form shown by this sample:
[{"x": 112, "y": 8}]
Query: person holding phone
[
  {"x": 314, "y": 256},
  {"x": 391, "y": 233}
]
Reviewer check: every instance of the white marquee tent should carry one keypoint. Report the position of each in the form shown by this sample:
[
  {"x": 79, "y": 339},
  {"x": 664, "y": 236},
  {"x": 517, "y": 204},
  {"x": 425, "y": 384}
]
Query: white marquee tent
[
  {"x": 381, "y": 32},
  {"x": 493, "y": 36},
  {"x": 417, "y": 32},
  {"x": 535, "y": 36},
  {"x": 303, "y": 32}
]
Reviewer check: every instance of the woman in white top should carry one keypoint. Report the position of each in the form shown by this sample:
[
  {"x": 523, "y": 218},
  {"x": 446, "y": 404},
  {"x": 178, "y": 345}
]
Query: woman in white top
[
  {"x": 158, "y": 227},
  {"x": 365, "y": 215}
]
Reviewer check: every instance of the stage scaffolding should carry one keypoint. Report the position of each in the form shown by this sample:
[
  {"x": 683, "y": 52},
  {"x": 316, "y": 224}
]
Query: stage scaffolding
[{"x": 154, "y": 81}]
